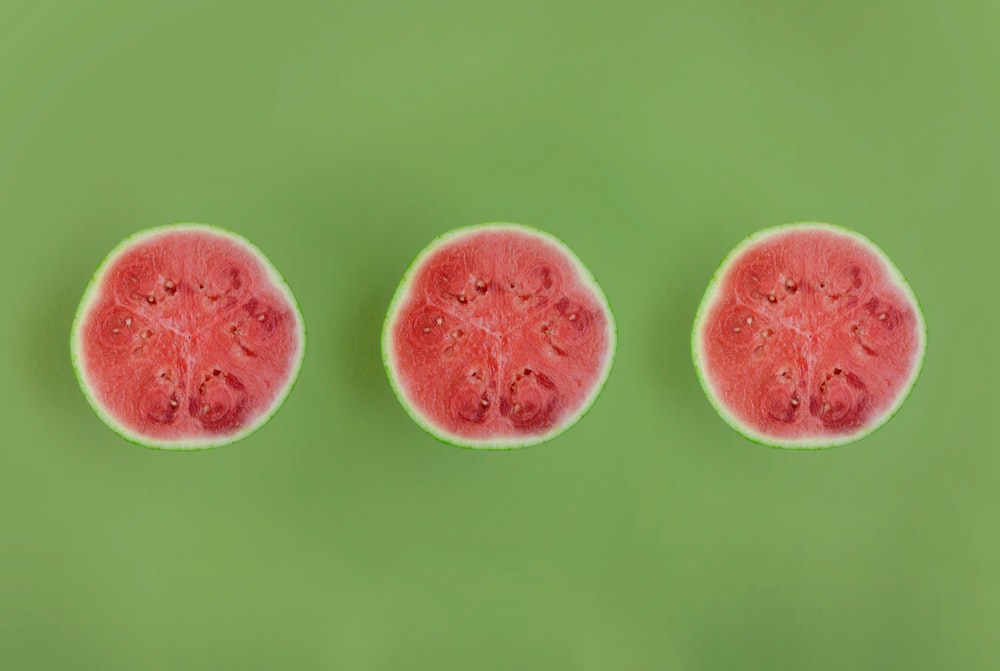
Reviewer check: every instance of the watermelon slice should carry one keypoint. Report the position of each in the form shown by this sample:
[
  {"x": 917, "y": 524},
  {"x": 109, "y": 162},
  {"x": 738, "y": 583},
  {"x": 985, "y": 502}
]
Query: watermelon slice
[
  {"x": 808, "y": 337},
  {"x": 497, "y": 337},
  {"x": 186, "y": 338}
]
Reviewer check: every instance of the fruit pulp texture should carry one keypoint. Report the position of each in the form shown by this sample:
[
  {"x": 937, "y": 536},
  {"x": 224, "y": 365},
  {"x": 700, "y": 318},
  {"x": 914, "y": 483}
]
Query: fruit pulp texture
[
  {"x": 188, "y": 336},
  {"x": 499, "y": 336},
  {"x": 809, "y": 334}
]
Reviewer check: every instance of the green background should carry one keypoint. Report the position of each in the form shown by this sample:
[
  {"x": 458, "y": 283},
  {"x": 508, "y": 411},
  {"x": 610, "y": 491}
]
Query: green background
[{"x": 651, "y": 136}]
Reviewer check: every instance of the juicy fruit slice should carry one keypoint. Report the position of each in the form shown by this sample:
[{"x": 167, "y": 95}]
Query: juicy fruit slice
[
  {"x": 187, "y": 338},
  {"x": 497, "y": 337},
  {"x": 808, "y": 337}
]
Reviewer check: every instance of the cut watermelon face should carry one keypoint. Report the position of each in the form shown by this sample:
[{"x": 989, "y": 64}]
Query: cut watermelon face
[
  {"x": 497, "y": 337},
  {"x": 186, "y": 338},
  {"x": 808, "y": 337}
]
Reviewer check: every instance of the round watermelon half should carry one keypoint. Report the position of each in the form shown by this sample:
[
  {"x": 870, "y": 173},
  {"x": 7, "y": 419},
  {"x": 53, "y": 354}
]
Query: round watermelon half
[
  {"x": 498, "y": 337},
  {"x": 186, "y": 338},
  {"x": 808, "y": 337}
]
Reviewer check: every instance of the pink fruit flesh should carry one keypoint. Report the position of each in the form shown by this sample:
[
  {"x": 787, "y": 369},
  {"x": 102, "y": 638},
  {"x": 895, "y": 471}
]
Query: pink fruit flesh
[
  {"x": 499, "y": 337},
  {"x": 188, "y": 337},
  {"x": 809, "y": 336}
]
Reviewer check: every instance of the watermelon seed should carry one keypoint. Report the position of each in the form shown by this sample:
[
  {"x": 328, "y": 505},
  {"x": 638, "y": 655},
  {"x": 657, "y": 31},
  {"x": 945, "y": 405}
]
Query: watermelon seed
[
  {"x": 749, "y": 321},
  {"x": 151, "y": 299},
  {"x": 736, "y": 329},
  {"x": 461, "y": 298},
  {"x": 427, "y": 329},
  {"x": 794, "y": 401},
  {"x": 767, "y": 333},
  {"x": 128, "y": 321},
  {"x": 173, "y": 403},
  {"x": 438, "y": 321},
  {"x": 771, "y": 298},
  {"x": 481, "y": 286},
  {"x": 114, "y": 330},
  {"x": 485, "y": 403}
]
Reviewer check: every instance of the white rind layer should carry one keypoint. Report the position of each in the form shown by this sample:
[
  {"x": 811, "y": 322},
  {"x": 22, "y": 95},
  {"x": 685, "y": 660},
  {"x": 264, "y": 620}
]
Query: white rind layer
[
  {"x": 87, "y": 304},
  {"x": 403, "y": 291},
  {"x": 712, "y": 293}
]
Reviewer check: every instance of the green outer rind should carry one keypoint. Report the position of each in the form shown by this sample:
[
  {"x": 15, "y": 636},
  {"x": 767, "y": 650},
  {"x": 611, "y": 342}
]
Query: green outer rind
[
  {"x": 403, "y": 292},
  {"x": 712, "y": 292},
  {"x": 87, "y": 302}
]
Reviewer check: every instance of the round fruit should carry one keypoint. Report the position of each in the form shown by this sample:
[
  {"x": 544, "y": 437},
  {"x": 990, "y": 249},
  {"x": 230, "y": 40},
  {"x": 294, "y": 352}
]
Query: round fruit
[
  {"x": 808, "y": 337},
  {"x": 497, "y": 337},
  {"x": 186, "y": 338}
]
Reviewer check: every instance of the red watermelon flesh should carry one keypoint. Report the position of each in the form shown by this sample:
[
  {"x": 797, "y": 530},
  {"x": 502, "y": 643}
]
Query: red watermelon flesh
[
  {"x": 498, "y": 337},
  {"x": 809, "y": 337},
  {"x": 187, "y": 338}
]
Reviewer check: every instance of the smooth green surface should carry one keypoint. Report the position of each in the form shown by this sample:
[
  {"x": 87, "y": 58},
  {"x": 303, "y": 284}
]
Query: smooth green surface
[{"x": 650, "y": 137}]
